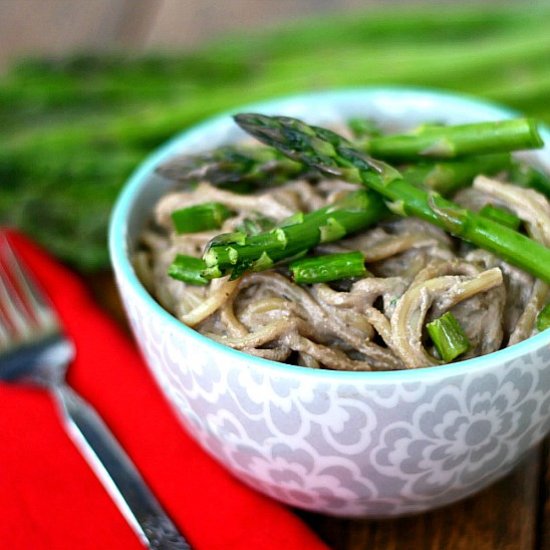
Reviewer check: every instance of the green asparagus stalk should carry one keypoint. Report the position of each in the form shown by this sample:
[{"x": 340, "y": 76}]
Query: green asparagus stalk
[
  {"x": 543, "y": 318},
  {"x": 452, "y": 64},
  {"x": 232, "y": 164},
  {"x": 456, "y": 141},
  {"x": 448, "y": 337},
  {"x": 448, "y": 176},
  {"x": 501, "y": 216},
  {"x": 330, "y": 267},
  {"x": 363, "y": 128},
  {"x": 188, "y": 269},
  {"x": 236, "y": 60},
  {"x": 264, "y": 166},
  {"x": 237, "y": 252},
  {"x": 256, "y": 223},
  {"x": 526, "y": 176},
  {"x": 160, "y": 121},
  {"x": 336, "y": 156},
  {"x": 113, "y": 79},
  {"x": 200, "y": 217},
  {"x": 374, "y": 26}
]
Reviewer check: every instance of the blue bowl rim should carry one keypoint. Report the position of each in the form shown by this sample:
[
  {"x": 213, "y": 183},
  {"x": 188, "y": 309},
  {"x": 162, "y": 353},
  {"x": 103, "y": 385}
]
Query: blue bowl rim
[{"x": 123, "y": 267}]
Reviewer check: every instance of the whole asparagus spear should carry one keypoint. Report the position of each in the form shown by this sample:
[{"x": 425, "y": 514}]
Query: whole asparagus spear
[
  {"x": 237, "y": 165},
  {"x": 232, "y": 164},
  {"x": 333, "y": 154},
  {"x": 236, "y": 252},
  {"x": 459, "y": 140},
  {"x": 448, "y": 176}
]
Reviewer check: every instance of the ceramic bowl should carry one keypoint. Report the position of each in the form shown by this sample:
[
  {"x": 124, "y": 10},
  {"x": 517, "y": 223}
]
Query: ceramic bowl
[{"x": 341, "y": 443}]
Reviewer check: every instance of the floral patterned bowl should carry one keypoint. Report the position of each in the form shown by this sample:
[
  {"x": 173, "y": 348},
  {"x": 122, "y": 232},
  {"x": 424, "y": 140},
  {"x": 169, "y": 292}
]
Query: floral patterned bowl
[{"x": 341, "y": 443}]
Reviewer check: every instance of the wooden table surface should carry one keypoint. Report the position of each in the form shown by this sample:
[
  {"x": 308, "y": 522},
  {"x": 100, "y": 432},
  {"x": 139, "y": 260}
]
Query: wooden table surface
[{"x": 513, "y": 514}]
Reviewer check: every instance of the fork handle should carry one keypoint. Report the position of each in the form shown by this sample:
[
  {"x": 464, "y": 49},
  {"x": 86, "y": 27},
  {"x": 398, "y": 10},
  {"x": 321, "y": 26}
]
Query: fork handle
[{"x": 117, "y": 473}]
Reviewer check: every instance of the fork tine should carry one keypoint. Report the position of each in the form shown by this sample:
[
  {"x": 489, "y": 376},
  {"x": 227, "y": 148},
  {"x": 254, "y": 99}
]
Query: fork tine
[
  {"x": 23, "y": 301},
  {"x": 4, "y": 334},
  {"x": 15, "y": 318}
]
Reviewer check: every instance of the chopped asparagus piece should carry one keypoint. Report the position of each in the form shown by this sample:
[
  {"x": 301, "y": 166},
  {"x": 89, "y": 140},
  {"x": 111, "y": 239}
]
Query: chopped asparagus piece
[
  {"x": 331, "y": 267},
  {"x": 501, "y": 216},
  {"x": 200, "y": 217},
  {"x": 448, "y": 337},
  {"x": 543, "y": 318},
  {"x": 255, "y": 224},
  {"x": 526, "y": 176},
  {"x": 362, "y": 128},
  {"x": 188, "y": 269}
]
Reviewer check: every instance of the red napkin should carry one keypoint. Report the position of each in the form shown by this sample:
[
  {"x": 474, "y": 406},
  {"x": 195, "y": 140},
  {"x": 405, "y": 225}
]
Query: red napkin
[{"x": 50, "y": 498}]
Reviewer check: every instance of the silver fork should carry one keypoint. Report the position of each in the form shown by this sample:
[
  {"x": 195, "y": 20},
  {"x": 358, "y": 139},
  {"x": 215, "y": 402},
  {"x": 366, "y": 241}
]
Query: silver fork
[{"x": 34, "y": 349}]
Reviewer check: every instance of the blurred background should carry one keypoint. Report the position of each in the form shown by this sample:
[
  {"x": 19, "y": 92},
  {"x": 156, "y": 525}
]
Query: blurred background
[
  {"x": 57, "y": 26},
  {"x": 88, "y": 88}
]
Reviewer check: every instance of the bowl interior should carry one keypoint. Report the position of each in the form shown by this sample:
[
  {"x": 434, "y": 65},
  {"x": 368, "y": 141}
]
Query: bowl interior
[{"x": 392, "y": 107}]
